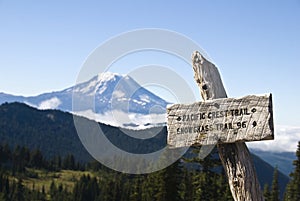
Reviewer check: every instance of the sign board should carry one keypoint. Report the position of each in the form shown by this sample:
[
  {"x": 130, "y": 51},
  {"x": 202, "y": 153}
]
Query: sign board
[{"x": 224, "y": 120}]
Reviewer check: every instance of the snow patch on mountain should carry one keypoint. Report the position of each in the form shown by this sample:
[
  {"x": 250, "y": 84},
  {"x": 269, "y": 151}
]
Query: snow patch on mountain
[
  {"x": 118, "y": 94},
  {"x": 145, "y": 98}
]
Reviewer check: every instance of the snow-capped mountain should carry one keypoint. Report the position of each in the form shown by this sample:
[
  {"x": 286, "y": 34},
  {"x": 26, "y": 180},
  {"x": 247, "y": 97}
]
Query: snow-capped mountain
[
  {"x": 118, "y": 92},
  {"x": 109, "y": 98}
]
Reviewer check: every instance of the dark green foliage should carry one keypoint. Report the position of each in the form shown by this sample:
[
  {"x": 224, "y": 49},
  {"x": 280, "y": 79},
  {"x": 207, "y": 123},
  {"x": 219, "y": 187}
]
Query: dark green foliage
[
  {"x": 4, "y": 153},
  {"x": 58, "y": 193},
  {"x": 69, "y": 162},
  {"x": 266, "y": 192},
  {"x": 86, "y": 189},
  {"x": 15, "y": 191},
  {"x": 21, "y": 157},
  {"x": 209, "y": 182},
  {"x": 293, "y": 188},
  {"x": 274, "y": 194},
  {"x": 36, "y": 159}
]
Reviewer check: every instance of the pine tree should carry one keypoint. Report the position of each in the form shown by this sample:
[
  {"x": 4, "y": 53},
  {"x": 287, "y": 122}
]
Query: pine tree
[
  {"x": 4, "y": 187},
  {"x": 274, "y": 194},
  {"x": 205, "y": 181},
  {"x": 69, "y": 162},
  {"x": 293, "y": 188},
  {"x": 43, "y": 190},
  {"x": 187, "y": 188},
  {"x": 148, "y": 188},
  {"x": 17, "y": 193},
  {"x": 52, "y": 190},
  {"x": 36, "y": 159},
  {"x": 267, "y": 192},
  {"x": 173, "y": 179},
  {"x": 135, "y": 194},
  {"x": 18, "y": 160},
  {"x": 86, "y": 189},
  {"x": 222, "y": 187},
  {"x": 160, "y": 186},
  {"x": 4, "y": 153},
  {"x": 2, "y": 197}
]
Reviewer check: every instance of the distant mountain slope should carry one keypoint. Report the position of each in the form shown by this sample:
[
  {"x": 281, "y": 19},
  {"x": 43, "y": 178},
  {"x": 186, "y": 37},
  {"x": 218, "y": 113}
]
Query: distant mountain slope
[
  {"x": 265, "y": 174},
  {"x": 10, "y": 98},
  {"x": 100, "y": 98},
  {"x": 284, "y": 160},
  {"x": 53, "y": 132}
]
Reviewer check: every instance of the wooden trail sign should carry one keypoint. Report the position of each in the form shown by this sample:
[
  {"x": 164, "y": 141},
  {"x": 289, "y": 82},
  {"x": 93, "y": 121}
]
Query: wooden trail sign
[
  {"x": 235, "y": 157},
  {"x": 224, "y": 120}
]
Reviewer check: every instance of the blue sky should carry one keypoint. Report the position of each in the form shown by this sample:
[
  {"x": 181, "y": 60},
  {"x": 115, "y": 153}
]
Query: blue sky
[{"x": 255, "y": 44}]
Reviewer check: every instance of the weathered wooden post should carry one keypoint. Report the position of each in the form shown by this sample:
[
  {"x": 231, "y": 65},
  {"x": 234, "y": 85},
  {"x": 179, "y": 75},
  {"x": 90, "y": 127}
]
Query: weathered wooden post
[{"x": 226, "y": 122}]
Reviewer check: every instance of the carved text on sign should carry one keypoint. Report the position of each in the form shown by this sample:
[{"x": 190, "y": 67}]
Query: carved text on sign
[{"x": 221, "y": 121}]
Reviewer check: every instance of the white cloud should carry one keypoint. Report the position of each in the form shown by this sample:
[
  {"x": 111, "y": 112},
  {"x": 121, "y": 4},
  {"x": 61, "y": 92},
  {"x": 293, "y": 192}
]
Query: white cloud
[
  {"x": 123, "y": 120},
  {"x": 51, "y": 103},
  {"x": 286, "y": 139}
]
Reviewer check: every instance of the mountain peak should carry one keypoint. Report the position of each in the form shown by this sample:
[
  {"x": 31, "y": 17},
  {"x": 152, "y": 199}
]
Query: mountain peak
[{"x": 105, "y": 76}]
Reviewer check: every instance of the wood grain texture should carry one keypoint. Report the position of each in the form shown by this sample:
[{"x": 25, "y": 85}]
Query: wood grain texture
[
  {"x": 224, "y": 120},
  {"x": 235, "y": 157}
]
